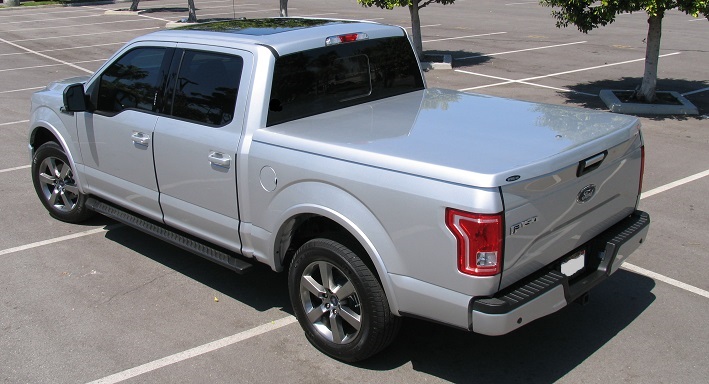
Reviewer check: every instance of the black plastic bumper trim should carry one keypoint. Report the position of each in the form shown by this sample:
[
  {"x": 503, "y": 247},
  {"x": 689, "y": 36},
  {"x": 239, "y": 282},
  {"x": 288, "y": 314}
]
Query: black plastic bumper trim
[{"x": 610, "y": 242}]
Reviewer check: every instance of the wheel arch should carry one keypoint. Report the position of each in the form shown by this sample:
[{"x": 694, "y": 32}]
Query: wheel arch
[
  {"x": 44, "y": 130},
  {"x": 338, "y": 216}
]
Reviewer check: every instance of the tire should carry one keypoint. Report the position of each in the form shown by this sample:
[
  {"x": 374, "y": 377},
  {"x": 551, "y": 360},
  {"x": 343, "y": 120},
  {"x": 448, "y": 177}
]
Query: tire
[
  {"x": 348, "y": 316},
  {"x": 55, "y": 185}
]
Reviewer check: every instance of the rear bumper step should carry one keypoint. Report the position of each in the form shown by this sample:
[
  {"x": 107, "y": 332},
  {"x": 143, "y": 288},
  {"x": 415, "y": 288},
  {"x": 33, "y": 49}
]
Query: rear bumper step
[
  {"x": 166, "y": 234},
  {"x": 551, "y": 291}
]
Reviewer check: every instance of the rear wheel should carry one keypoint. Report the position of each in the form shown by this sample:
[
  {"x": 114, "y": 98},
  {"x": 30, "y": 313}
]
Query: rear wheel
[
  {"x": 55, "y": 185},
  {"x": 339, "y": 302}
]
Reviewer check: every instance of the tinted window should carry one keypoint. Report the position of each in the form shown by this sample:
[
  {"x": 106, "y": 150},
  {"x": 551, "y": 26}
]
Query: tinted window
[
  {"x": 324, "y": 79},
  {"x": 206, "y": 87},
  {"x": 132, "y": 81}
]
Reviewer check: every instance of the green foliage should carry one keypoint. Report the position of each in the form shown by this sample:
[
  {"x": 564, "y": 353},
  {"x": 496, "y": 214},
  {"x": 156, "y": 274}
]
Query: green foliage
[
  {"x": 391, "y": 4},
  {"x": 589, "y": 14}
]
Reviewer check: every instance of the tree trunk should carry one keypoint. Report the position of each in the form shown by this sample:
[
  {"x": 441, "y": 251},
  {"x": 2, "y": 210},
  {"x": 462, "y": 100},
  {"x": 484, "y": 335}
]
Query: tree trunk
[
  {"x": 284, "y": 8},
  {"x": 416, "y": 27},
  {"x": 192, "y": 17},
  {"x": 652, "y": 58},
  {"x": 134, "y": 5}
]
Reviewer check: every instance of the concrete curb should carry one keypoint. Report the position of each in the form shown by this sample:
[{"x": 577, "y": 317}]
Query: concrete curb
[
  {"x": 617, "y": 106},
  {"x": 123, "y": 12},
  {"x": 445, "y": 64}
]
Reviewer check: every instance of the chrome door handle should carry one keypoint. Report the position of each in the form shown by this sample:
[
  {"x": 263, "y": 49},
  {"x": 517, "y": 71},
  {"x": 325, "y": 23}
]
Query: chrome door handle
[
  {"x": 140, "y": 138},
  {"x": 220, "y": 159}
]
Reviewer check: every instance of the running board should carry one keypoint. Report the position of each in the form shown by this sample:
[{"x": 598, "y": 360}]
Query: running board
[{"x": 163, "y": 233}]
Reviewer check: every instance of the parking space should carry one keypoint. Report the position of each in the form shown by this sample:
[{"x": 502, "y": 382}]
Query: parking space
[{"x": 104, "y": 302}]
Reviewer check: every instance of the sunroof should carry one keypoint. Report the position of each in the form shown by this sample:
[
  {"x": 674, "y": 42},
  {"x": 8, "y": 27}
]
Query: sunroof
[{"x": 259, "y": 27}]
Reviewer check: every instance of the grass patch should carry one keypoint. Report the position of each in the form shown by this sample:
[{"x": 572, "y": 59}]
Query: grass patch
[{"x": 35, "y": 3}]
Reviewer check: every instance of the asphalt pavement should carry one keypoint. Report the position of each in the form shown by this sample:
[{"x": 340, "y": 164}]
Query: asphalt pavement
[{"x": 100, "y": 301}]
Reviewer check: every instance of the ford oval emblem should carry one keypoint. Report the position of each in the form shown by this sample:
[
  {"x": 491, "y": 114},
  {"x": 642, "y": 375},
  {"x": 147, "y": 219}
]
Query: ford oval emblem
[{"x": 586, "y": 194}]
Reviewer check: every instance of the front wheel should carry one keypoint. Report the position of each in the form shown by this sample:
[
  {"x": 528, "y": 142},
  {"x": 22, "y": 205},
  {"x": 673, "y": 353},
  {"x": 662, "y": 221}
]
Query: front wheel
[
  {"x": 339, "y": 302},
  {"x": 55, "y": 185}
]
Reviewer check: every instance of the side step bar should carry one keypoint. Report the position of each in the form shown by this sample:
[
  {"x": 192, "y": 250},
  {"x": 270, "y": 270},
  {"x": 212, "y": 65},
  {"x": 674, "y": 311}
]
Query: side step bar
[{"x": 163, "y": 233}]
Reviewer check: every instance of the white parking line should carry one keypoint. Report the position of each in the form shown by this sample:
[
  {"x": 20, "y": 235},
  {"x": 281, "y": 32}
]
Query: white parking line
[
  {"x": 52, "y": 65},
  {"x": 520, "y": 50},
  {"x": 14, "y": 122},
  {"x": 674, "y": 184},
  {"x": 48, "y": 20},
  {"x": 58, "y": 239},
  {"x": 665, "y": 279},
  {"x": 197, "y": 351},
  {"x": 74, "y": 25},
  {"x": 464, "y": 37},
  {"x": 697, "y": 91},
  {"x": 64, "y": 49},
  {"x": 560, "y": 73},
  {"x": 14, "y": 169},
  {"x": 22, "y": 89},
  {"x": 85, "y": 34},
  {"x": 45, "y": 56},
  {"x": 509, "y": 81}
]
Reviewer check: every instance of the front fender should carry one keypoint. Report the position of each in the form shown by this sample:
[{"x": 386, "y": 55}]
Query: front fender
[{"x": 63, "y": 128}]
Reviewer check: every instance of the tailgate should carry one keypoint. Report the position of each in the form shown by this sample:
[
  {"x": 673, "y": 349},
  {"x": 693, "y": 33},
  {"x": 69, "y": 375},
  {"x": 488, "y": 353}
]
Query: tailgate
[{"x": 551, "y": 215}]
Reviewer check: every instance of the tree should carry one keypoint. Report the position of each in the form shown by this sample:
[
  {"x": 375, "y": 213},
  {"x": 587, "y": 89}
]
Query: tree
[
  {"x": 590, "y": 14},
  {"x": 191, "y": 10},
  {"x": 414, "y": 7}
]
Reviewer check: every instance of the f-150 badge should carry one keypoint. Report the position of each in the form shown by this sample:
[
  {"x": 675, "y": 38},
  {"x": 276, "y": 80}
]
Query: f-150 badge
[{"x": 522, "y": 224}]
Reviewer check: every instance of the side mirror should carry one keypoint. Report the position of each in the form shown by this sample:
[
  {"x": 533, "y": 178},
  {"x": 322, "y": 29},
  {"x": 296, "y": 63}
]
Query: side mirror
[{"x": 75, "y": 98}]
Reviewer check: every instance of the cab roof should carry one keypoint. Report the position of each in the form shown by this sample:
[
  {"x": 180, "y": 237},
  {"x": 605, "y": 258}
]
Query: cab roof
[{"x": 284, "y": 35}]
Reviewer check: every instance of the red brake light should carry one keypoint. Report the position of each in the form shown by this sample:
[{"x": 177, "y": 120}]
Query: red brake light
[
  {"x": 479, "y": 238},
  {"x": 347, "y": 38}
]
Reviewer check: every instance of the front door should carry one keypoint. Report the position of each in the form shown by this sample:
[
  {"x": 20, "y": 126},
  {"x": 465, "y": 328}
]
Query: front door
[{"x": 116, "y": 139}]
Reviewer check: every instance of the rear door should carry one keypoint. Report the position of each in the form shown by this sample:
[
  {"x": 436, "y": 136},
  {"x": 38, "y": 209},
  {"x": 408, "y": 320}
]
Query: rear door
[{"x": 196, "y": 142}]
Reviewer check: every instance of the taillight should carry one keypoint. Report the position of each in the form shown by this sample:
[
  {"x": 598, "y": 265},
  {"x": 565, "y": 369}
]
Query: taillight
[
  {"x": 348, "y": 38},
  {"x": 479, "y": 238},
  {"x": 642, "y": 169}
]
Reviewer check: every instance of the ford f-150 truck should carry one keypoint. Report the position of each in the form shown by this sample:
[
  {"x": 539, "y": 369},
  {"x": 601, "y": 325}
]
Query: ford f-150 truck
[{"x": 314, "y": 146}]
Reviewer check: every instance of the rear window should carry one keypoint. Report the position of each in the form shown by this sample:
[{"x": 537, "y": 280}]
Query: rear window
[{"x": 329, "y": 78}]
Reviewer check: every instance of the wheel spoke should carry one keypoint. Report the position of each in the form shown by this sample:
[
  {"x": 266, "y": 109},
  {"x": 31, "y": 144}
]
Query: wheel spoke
[
  {"x": 47, "y": 179},
  {"x": 351, "y": 317},
  {"x": 64, "y": 171},
  {"x": 338, "y": 333},
  {"x": 68, "y": 204},
  {"x": 326, "y": 275},
  {"x": 73, "y": 189},
  {"x": 53, "y": 197},
  {"x": 315, "y": 314},
  {"x": 52, "y": 165},
  {"x": 307, "y": 282},
  {"x": 345, "y": 290}
]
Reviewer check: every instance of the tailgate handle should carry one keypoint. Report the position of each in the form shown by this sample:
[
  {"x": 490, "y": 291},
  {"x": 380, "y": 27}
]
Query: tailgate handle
[{"x": 593, "y": 162}]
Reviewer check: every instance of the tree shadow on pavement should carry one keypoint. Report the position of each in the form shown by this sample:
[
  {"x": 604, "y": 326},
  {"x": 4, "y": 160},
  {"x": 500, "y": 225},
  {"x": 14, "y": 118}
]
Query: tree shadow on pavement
[{"x": 699, "y": 99}]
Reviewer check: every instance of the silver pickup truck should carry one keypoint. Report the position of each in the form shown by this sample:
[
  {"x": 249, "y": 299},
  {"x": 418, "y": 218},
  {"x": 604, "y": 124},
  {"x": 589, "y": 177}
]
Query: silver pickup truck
[{"x": 314, "y": 146}]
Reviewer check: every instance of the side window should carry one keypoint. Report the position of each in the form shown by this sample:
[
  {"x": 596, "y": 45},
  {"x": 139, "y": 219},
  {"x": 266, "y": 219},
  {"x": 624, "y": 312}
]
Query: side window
[
  {"x": 206, "y": 87},
  {"x": 132, "y": 81}
]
